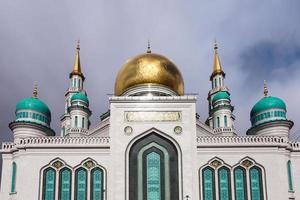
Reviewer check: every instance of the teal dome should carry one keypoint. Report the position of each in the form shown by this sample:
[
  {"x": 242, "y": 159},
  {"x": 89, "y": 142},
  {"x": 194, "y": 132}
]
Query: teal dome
[
  {"x": 221, "y": 95},
  {"x": 33, "y": 104},
  {"x": 80, "y": 96},
  {"x": 267, "y": 103}
]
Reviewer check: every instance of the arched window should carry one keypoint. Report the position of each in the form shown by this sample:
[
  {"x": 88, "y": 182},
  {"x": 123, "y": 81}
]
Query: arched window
[
  {"x": 13, "y": 177},
  {"x": 81, "y": 184},
  {"x": 218, "y": 122},
  {"x": 153, "y": 169},
  {"x": 79, "y": 83},
  {"x": 220, "y": 83},
  {"x": 76, "y": 121},
  {"x": 82, "y": 124},
  {"x": 225, "y": 120},
  {"x": 215, "y": 82},
  {"x": 256, "y": 187},
  {"x": 65, "y": 184},
  {"x": 208, "y": 183},
  {"x": 240, "y": 184},
  {"x": 290, "y": 176},
  {"x": 49, "y": 184},
  {"x": 97, "y": 184},
  {"x": 224, "y": 183}
]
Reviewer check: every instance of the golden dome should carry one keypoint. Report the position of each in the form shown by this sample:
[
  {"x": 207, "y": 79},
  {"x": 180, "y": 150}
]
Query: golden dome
[{"x": 146, "y": 70}]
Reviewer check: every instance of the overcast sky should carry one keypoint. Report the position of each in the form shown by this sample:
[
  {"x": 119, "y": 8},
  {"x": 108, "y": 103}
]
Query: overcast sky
[{"x": 258, "y": 39}]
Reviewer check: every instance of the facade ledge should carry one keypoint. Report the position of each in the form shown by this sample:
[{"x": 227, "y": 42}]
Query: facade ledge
[{"x": 151, "y": 99}]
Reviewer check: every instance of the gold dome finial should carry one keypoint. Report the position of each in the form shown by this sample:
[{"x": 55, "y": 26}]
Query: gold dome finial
[
  {"x": 149, "y": 47},
  {"x": 266, "y": 91},
  {"x": 35, "y": 90},
  {"x": 77, "y": 66}
]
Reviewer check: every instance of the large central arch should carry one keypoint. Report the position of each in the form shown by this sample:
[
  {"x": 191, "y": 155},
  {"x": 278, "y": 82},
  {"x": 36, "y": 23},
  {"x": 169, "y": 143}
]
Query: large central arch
[{"x": 153, "y": 169}]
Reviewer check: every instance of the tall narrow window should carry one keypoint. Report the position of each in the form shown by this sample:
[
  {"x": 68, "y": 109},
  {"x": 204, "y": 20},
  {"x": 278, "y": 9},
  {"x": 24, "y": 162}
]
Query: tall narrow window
[
  {"x": 240, "y": 187},
  {"x": 224, "y": 184},
  {"x": 81, "y": 184},
  {"x": 153, "y": 176},
  {"x": 218, "y": 122},
  {"x": 215, "y": 82},
  {"x": 82, "y": 123},
  {"x": 208, "y": 184},
  {"x": 220, "y": 83},
  {"x": 256, "y": 189},
  {"x": 76, "y": 121},
  {"x": 225, "y": 120},
  {"x": 13, "y": 177},
  {"x": 79, "y": 83},
  {"x": 97, "y": 184},
  {"x": 290, "y": 176},
  {"x": 65, "y": 184},
  {"x": 49, "y": 184}
]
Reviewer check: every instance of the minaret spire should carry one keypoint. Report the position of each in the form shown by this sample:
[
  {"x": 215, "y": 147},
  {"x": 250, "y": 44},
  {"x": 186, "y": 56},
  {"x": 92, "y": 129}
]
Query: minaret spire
[
  {"x": 77, "y": 66},
  {"x": 217, "y": 64},
  {"x": 35, "y": 90},
  {"x": 266, "y": 91},
  {"x": 149, "y": 47}
]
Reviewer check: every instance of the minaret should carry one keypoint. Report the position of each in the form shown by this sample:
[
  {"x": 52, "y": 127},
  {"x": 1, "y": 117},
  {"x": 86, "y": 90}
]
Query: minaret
[
  {"x": 220, "y": 119},
  {"x": 76, "y": 86}
]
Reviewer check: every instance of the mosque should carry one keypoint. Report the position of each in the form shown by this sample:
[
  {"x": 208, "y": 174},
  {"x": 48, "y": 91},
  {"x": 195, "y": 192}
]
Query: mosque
[{"x": 151, "y": 143}]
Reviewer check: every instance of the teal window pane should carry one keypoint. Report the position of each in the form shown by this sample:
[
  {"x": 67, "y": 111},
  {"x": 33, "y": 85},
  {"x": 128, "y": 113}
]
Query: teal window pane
[
  {"x": 208, "y": 184},
  {"x": 218, "y": 122},
  {"x": 225, "y": 121},
  {"x": 81, "y": 184},
  {"x": 49, "y": 184},
  {"x": 13, "y": 177},
  {"x": 76, "y": 121},
  {"x": 240, "y": 184},
  {"x": 97, "y": 184},
  {"x": 153, "y": 176},
  {"x": 224, "y": 184},
  {"x": 82, "y": 125},
  {"x": 289, "y": 167},
  {"x": 65, "y": 184},
  {"x": 255, "y": 184}
]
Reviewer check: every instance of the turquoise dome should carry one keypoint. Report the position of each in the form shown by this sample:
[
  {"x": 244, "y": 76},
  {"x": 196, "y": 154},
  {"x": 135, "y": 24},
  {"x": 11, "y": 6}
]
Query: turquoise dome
[
  {"x": 221, "y": 95},
  {"x": 267, "y": 103},
  {"x": 80, "y": 96},
  {"x": 33, "y": 104}
]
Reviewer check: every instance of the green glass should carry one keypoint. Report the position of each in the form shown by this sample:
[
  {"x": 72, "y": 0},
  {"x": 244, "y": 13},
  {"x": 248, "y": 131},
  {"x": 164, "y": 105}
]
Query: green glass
[
  {"x": 240, "y": 184},
  {"x": 153, "y": 176},
  {"x": 13, "y": 177},
  {"x": 65, "y": 185},
  {"x": 255, "y": 184},
  {"x": 224, "y": 185},
  {"x": 289, "y": 167},
  {"x": 208, "y": 184},
  {"x": 97, "y": 187},
  {"x": 81, "y": 184},
  {"x": 49, "y": 187}
]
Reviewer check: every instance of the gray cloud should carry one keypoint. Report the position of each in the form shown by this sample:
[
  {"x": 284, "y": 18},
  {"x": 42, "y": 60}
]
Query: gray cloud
[{"x": 37, "y": 43}]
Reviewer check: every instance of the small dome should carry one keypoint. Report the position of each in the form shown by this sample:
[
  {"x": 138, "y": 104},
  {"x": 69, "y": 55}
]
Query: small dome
[
  {"x": 149, "y": 70},
  {"x": 33, "y": 104},
  {"x": 221, "y": 95},
  {"x": 267, "y": 103},
  {"x": 80, "y": 96}
]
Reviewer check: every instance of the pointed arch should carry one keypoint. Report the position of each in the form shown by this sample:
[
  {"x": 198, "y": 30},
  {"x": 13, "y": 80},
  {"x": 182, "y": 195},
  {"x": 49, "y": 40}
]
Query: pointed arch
[{"x": 152, "y": 158}]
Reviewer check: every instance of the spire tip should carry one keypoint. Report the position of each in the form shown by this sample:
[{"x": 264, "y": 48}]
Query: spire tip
[
  {"x": 149, "y": 47},
  {"x": 35, "y": 90},
  {"x": 266, "y": 91}
]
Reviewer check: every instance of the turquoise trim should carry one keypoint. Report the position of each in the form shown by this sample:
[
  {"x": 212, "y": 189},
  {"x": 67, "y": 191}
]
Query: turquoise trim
[
  {"x": 290, "y": 176},
  {"x": 13, "y": 177},
  {"x": 33, "y": 104},
  {"x": 221, "y": 95},
  {"x": 267, "y": 103},
  {"x": 272, "y": 115},
  {"x": 30, "y": 116},
  {"x": 80, "y": 96}
]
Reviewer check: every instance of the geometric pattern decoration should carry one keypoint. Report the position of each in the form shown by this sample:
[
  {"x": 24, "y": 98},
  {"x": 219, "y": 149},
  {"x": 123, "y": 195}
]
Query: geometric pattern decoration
[
  {"x": 153, "y": 176},
  {"x": 224, "y": 184},
  {"x": 49, "y": 184},
  {"x": 81, "y": 184},
  {"x": 255, "y": 184},
  {"x": 97, "y": 184},
  {"x": 65, "y": 184},
  {"x": 240, "y": 184},
  {"x": 208, "y": 184}
]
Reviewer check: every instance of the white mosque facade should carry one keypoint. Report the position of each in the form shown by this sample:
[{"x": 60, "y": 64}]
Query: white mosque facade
[{"x": 151, "y": 144}]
